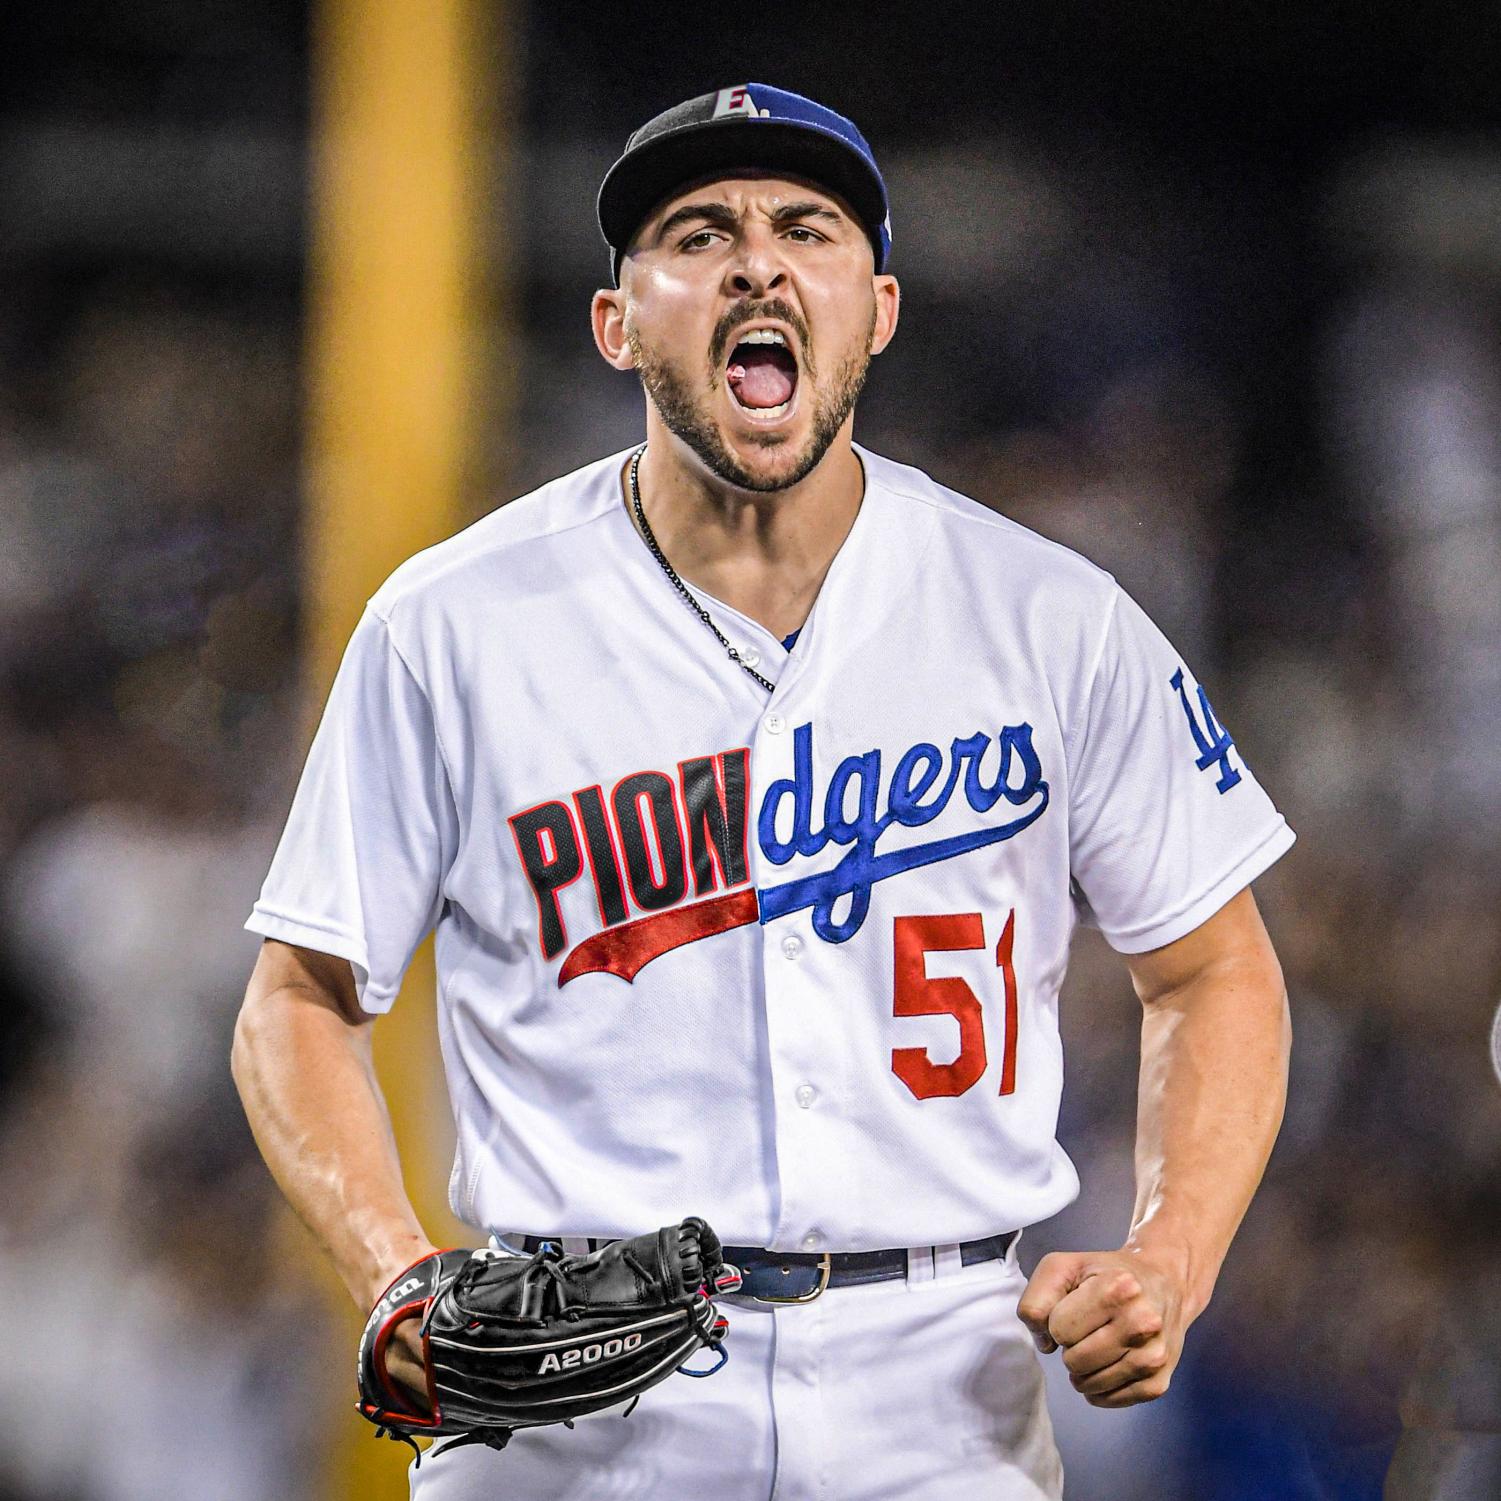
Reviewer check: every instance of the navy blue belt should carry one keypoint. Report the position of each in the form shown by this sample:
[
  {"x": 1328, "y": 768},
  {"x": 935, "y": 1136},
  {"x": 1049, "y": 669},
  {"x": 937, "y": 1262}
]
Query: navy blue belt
[{"x": 799, "y": 1277}]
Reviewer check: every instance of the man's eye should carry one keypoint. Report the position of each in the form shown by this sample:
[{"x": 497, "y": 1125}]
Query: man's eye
[
  {"x": 700, "y": 240},
  {"x": 803, "y": 235}
]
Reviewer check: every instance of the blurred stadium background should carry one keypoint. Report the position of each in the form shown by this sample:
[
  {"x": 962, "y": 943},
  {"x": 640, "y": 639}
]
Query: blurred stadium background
[{"x": 1210, "y": 292}]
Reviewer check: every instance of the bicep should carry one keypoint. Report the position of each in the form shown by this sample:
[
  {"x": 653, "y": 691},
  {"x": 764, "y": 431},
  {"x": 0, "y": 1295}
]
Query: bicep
[
  {"x": 1233, "y": 943},
  {"x": 288, "y": 974}
]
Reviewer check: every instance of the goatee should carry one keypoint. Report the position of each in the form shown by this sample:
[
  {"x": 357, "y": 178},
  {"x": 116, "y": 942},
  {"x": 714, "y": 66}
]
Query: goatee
[{"x": 687, "y": 418}]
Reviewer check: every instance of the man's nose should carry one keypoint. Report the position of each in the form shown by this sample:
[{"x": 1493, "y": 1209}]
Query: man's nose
[{"x": 758, "y": 269}]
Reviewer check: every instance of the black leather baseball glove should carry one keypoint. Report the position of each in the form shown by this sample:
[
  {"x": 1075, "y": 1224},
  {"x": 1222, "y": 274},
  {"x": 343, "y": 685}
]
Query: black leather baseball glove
[{"x": 518, "y": 1341}]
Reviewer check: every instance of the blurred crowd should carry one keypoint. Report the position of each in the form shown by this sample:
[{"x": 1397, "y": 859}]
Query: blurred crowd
[
  {"x": 1351, "y": 626},
  {"x": 1299, "y": 477},
  {"x": 148, "y": 497}
]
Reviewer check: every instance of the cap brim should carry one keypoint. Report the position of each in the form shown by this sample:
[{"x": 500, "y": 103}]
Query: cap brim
[{"x": 642, "y": 178}]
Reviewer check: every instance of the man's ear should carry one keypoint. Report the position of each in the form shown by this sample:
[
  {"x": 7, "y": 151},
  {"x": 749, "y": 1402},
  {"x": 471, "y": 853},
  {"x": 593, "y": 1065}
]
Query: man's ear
[
  {"x": 888, "y": 308},
  {"x": 607, "y": 314}
]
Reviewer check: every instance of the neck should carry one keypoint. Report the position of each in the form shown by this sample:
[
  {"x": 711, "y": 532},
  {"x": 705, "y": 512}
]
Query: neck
[{"x": 765, "y": 554}]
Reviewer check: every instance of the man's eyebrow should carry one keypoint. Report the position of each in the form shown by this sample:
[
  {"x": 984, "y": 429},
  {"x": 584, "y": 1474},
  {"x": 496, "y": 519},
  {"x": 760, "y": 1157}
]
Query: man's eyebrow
[
  {"x": 810, "y": 209},
  {"x": 724, "y": 217},
  {"x": 711, "y": 213}
]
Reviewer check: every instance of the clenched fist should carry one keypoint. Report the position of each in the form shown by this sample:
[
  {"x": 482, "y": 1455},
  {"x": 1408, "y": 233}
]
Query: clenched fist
[{"x": 1117, "y": 1316}]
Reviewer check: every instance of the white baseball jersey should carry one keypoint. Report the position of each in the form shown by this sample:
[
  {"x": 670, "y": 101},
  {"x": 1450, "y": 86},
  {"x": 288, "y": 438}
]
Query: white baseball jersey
[{"x": 789, "y": 961}]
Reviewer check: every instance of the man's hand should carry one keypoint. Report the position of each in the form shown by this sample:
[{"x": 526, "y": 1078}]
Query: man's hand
[
  {"x": 404, "y": 1362},
  {"x": 1118, "y": 1317},
  {"x": 1214, "y": 1043}
]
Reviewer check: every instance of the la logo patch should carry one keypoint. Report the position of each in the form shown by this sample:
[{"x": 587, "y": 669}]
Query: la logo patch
[{"x": 1210, "y": 736}]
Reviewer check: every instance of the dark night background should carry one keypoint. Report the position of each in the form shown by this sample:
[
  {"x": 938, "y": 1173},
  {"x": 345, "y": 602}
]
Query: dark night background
[{"x": 1208, "y": 292}]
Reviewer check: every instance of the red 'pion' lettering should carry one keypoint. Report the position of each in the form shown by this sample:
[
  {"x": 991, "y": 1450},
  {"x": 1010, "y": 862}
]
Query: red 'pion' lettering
[
  {"x": 714, "y": 798},
  {"x": 646, "y": 845},
  {"x": 646, "y": 813},
  {"x": 549, "y": 851},
  {"x": 604, "y": 863}
]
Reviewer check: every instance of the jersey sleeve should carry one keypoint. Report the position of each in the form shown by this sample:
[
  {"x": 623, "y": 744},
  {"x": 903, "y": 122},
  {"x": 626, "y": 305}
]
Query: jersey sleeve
[
  {"x": 1166, "y": 821},
  {"x": 373, "y": 826}
]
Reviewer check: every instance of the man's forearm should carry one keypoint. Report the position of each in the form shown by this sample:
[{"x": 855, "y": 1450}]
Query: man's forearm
[
  {"x": 1214, "y": 1046},
  {"x": 306, "y": 1078},
  {"x": 1213, "y": 1084}
]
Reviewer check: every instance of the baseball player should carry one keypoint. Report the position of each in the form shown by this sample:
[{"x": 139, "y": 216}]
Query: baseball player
[{"x": 754, "y": 785}]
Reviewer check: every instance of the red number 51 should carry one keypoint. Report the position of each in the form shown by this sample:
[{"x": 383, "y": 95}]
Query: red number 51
[{"x": 915, "y": 994}]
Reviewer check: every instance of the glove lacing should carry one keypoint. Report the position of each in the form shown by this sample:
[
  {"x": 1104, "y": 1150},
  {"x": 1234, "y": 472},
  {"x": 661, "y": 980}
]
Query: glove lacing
[{"x": 541, "y": 1273}]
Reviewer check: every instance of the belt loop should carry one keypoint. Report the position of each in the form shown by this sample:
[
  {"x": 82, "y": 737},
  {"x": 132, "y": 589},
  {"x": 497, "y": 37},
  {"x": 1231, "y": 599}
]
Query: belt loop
[
  {"x": 947, "y": 1261},
  {"x": 919, "y": 1265}
]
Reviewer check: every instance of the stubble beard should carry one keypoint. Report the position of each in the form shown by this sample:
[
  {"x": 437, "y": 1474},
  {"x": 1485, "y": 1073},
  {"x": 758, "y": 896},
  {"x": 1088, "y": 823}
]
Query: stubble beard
[{"x": 688, "y": 417}]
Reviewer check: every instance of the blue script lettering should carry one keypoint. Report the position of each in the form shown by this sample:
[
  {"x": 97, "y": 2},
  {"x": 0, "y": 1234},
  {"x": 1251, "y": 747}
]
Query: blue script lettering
[
  {"x": 1017, "y": 780},
  {"x": 907, "y": 806},
  {"x": 800, "y": 790},
  {"x": 1211, "y": 737}
]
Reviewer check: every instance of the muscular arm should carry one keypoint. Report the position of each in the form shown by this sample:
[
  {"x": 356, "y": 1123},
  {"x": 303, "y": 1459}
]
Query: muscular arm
[
  {"x": 1214, "y": 1049},
  {"x": 1215, "y": 1037},
  {"x": 303, "y": 1066}
]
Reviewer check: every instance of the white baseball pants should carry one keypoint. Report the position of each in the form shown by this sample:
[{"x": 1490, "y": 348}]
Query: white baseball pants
[{"x": 921, "y": 1389}]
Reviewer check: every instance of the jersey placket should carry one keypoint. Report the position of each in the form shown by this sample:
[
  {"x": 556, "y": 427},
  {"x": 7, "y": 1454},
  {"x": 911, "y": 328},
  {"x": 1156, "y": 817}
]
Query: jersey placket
[{"x": 802, "y": 1032}]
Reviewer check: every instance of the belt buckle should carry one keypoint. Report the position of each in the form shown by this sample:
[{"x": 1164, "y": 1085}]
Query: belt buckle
[{"x": 825, "y": 1265}]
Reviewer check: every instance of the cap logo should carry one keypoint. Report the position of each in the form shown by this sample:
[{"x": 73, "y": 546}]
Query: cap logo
[{"x": 736, "y": 101}]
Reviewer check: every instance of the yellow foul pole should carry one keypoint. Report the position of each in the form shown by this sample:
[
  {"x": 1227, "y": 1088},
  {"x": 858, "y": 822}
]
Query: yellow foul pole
[{"x": 398, "y": 200}]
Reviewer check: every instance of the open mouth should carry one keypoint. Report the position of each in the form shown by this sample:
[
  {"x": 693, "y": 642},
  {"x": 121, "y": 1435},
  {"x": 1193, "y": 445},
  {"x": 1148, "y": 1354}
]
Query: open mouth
[{"x": 762, "y": 373}]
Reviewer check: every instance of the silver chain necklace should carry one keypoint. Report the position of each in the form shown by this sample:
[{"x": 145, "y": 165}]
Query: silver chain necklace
[{"x": 677, "y": 583}]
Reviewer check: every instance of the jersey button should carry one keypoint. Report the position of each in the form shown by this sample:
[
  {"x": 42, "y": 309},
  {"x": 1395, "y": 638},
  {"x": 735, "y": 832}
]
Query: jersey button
[
  {"x": 775, "y": 724},
  {"x": 812, "y": 1241},
  {"x": 750, "y": 656},
  {"x": 792, "y": 945},
  {"x": 806, "y": 1094}
]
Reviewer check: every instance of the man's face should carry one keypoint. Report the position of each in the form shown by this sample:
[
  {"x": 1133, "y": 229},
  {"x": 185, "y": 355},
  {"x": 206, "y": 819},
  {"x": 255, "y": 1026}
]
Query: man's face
[{"x": 749, "y": 307}]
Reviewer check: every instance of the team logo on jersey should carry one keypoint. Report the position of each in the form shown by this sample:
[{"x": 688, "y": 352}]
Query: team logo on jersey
[
  {"x": 1015, "y": 782},
  {"x": 1211, "y": 737},
  {"x": 644, "y": 844},
  {"x": 656, "y": 835}
]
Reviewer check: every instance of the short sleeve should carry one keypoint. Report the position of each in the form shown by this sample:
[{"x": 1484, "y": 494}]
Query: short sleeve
[
  {"x": 373, "y": 828},
  {"x": 1166, "y": 822}
]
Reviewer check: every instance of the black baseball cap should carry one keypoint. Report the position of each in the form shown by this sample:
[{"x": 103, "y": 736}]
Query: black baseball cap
[{"x": 750, "y": 125}]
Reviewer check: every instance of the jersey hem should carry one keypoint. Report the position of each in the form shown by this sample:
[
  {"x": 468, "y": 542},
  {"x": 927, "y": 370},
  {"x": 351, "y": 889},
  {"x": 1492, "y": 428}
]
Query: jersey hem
[
  {"x": 1154, "y": 935},
  {"x": 325, "y": 938}
]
